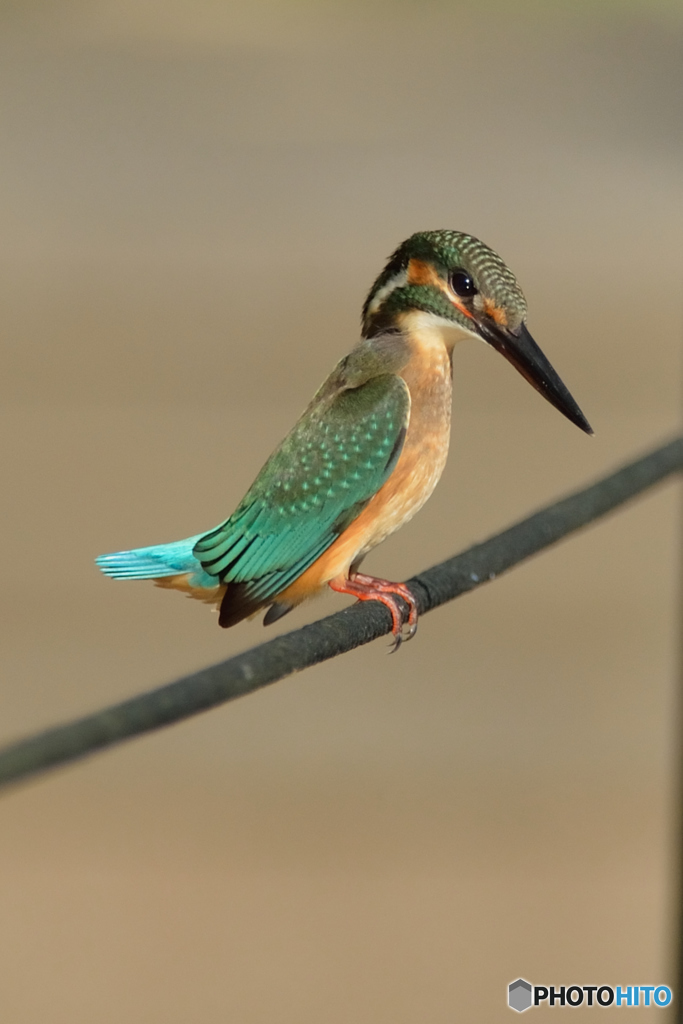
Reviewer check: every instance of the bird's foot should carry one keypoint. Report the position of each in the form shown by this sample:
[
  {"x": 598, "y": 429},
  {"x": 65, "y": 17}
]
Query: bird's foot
[{"x": 370, "y": 588}]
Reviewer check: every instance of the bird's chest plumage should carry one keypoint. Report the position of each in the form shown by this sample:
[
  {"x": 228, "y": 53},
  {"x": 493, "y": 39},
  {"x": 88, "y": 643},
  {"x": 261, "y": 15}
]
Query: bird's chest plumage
[
  {"x": 427, "y": 373},
  {"x": 425, "y": 450}
]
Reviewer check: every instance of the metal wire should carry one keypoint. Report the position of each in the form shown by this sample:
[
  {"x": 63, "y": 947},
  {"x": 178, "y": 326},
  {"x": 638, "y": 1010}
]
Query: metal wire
[{"x": 337, "y": 633}]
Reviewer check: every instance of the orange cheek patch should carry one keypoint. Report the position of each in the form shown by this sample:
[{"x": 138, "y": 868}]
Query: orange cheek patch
[{"x": 423, "y": 273}]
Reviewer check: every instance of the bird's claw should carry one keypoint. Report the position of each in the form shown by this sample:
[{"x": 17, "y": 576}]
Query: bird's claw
[
  {"x": 402, "y": 634},
  {"x": 368, "y": 588}
]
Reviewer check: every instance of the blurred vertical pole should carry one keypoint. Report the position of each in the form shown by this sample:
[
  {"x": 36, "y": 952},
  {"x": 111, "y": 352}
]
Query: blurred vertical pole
[{"x": 677, "y": 973}]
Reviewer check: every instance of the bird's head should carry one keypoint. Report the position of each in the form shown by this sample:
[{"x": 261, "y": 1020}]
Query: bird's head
[{"x": 450, "y": 282}]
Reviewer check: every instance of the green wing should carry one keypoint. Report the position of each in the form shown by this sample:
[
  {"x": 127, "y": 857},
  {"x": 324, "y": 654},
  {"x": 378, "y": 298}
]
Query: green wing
[{"x": 314, "y": 485}]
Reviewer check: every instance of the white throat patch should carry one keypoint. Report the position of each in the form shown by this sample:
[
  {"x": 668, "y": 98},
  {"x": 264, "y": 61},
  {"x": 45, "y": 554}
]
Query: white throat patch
[{"x": 438, "y": 327}]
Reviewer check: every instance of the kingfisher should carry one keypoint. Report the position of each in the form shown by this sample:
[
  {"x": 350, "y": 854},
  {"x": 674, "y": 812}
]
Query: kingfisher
[{"x": 369, "y": 449}]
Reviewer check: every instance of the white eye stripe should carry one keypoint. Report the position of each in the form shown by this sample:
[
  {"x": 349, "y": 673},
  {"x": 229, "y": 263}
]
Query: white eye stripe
[{"x": 382, "y": 294}]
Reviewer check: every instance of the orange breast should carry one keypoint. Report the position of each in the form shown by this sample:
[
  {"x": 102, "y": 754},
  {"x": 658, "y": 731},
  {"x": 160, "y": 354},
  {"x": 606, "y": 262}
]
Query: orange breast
[{"x": 421, "y": 463}]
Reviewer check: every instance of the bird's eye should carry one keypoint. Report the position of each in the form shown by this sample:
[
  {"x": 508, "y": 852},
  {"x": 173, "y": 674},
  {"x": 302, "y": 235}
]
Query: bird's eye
[{"x": 462, "y": 284}]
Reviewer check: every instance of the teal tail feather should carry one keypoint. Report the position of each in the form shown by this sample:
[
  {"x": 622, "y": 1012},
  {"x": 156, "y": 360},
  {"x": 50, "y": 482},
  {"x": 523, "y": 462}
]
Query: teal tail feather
[{"x": 157, "y": 562}]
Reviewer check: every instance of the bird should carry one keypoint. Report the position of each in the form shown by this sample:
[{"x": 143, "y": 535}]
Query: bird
[{"x": 368, "y": 450}]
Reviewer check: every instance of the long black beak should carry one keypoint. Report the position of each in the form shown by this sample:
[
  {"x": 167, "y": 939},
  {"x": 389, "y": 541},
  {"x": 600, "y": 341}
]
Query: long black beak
[{"x": 520, "y": 349}]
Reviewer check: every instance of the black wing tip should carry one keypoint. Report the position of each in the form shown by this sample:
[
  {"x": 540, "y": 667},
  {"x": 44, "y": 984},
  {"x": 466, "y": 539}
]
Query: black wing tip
[
  {"x": 277, "y": 611},
  {"x": 236, "y": 605}
]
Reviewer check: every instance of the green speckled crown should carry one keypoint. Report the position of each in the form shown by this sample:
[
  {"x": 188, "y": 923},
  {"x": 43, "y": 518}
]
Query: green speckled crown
[{"x": 446, "y": 251}]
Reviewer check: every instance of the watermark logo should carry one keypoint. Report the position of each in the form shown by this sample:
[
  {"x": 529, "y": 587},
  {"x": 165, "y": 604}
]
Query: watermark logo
[{"x": 522, "y": 995}]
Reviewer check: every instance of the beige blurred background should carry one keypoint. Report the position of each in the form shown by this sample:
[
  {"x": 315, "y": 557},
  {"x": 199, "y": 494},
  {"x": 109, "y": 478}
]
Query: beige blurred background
[{"x": 195, "y": 197}]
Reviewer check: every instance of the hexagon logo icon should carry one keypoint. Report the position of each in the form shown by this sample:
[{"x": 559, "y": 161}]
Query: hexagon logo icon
[{"x": 519, "y": 995}]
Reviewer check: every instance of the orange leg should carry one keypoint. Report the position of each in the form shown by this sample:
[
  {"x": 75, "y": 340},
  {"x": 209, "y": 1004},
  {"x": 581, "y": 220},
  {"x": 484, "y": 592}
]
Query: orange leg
[{"x": 370, "y": 588}]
